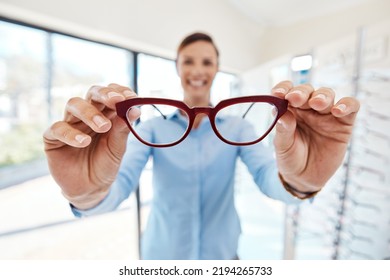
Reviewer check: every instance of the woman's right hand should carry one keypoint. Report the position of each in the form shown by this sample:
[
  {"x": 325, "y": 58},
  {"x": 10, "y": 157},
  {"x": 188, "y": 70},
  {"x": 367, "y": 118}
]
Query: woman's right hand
[{"x": 84, "y": 150}]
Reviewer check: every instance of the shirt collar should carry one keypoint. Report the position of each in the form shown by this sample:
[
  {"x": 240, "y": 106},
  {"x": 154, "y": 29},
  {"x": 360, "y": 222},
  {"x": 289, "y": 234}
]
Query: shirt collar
[{"x": 175, "y": 115}]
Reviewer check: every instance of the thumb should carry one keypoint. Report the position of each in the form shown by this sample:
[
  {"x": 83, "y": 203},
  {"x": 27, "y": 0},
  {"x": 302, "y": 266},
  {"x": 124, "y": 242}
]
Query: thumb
[
  {"x": 285, "y": 133},
  {"x": 118, "y": 134}
]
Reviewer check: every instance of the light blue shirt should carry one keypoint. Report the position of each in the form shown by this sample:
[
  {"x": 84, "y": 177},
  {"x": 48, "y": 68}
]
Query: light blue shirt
[{"x": 192, "y": 214}]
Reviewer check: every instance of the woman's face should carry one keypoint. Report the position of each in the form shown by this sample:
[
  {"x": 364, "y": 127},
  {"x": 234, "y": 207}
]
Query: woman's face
[{"x": 197, "y": 65}]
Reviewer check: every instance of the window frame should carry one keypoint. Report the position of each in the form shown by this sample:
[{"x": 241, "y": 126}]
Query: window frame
[{"x": 42, "y": 170}]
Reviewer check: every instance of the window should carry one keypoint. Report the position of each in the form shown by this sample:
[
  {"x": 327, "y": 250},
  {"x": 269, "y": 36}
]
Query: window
[
  {"x": 39, "y": 71},
  {"x": 79, "y": 64},
  {"x": 23, "y": 93}
]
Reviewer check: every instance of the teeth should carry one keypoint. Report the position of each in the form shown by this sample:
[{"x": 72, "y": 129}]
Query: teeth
[{"x": 197, "y": 83}]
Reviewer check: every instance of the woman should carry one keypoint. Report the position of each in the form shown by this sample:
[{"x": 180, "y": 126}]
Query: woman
[{"x": 193, "y": 214}]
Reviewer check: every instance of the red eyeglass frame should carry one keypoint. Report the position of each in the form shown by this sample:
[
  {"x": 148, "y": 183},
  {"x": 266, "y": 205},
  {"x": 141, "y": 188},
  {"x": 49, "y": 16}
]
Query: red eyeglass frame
[{"x": 123, "y": 107}]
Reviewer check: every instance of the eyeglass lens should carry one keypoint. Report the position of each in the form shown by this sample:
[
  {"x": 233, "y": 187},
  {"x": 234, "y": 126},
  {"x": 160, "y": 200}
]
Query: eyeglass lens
[
  {"x": 172, "y": 121},
  {"x": 251, "y": 119},
  {"x": 238, "y": 123}
]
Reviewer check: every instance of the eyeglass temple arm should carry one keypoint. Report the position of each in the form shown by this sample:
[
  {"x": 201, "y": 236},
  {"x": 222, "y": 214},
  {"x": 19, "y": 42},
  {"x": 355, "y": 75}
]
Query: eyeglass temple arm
[
  {"x": 155, "y": 107},
  {"x": 247, "y": 111}
]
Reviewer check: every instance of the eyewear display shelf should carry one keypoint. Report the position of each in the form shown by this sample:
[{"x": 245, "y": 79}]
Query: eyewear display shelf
[{"x": 350, "y": 218}]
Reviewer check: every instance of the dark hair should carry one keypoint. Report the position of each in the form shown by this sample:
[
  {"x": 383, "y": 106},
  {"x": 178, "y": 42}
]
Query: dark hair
[{"x": 195, "y": 37}]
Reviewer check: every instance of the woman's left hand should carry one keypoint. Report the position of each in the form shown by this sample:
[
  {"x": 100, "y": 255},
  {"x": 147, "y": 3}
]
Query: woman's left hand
[{"x": 312, "y": 137}]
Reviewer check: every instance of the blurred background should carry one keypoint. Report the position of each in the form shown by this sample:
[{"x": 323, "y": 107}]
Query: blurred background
[{"x": 53, "y": 50}]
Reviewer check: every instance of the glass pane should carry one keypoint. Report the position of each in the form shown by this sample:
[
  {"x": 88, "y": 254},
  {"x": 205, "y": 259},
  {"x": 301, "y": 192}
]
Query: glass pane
[
  {"x": 25, "y": 78},
  {"x": 23, "y": 94},
  {"x": 250, "y": 118},
  {"x": 79, "y": 64},
  {"x": 157, "y": 77},
  {"x": 224, "y": 86},
  {"x": 173, "y": 121}
]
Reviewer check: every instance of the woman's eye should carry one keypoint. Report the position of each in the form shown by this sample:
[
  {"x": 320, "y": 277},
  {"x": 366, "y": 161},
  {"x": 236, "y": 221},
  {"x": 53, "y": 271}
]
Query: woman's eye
[{"x": 207, "y": 63}]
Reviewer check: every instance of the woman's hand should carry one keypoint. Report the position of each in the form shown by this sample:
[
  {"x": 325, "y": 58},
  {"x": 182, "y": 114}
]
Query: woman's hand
[
  {"x": 84, "y": 150},
  {"x": 312, "y": 137}
]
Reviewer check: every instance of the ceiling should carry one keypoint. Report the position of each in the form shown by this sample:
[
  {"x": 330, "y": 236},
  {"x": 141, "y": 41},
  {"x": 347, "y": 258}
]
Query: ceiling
[
  {"x": 284, "y": 12},
  {"x": 261, "y": 29}
]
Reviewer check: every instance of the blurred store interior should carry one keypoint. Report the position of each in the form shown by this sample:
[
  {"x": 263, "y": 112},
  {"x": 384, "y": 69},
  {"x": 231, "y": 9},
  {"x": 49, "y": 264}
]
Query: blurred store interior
[{"x": 53, "y": 50}]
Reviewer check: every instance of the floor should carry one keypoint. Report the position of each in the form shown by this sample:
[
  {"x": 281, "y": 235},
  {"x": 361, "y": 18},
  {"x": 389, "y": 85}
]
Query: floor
[{"x": 36, "y": 223}]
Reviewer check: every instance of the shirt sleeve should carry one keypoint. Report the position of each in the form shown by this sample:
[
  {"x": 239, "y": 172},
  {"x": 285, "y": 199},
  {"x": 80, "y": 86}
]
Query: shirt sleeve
[
  {"x": 133, "y": 162},
  {"x": 262, "y": 166}
]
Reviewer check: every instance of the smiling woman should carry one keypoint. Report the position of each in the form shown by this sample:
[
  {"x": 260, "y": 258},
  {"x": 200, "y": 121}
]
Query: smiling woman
[{"x": 197, "y": 64}]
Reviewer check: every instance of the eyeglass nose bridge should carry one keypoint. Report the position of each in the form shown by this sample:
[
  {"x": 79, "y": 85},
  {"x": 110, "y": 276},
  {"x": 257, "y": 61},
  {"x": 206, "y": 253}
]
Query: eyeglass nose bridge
[{"x": 202, "y": 110}]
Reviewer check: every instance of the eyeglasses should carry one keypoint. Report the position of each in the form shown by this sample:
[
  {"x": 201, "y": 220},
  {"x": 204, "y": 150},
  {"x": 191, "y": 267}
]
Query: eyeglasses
[{"x": 236, "y": 121}]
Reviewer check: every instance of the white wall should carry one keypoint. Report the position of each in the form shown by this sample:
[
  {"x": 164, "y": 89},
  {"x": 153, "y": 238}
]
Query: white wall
[
  {"x": 154, "y": 26},
  {"x": 260, "y": 79},
  {"x": 157, "y": 26},
  {"x": 302, "y": 37}
]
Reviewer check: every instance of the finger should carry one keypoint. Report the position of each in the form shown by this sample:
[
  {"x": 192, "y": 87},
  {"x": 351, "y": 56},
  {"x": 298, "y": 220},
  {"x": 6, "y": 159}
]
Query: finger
[
  {"x": 126, "y": 91},
  {"x": 78, "y": 109},
  {"x": 133, "y": 114},
  {"x": 63, "y": 132},
  {"x": 117, "y": 138},
  {"x": 346, "y": 109},
  {"x": 285, "y": 131},
  {"x": 322, "y": 100},
  {"x": 298, "y": 96},
  {"x": 282, "y": 88},
  {"x": 108, "y": 95}
]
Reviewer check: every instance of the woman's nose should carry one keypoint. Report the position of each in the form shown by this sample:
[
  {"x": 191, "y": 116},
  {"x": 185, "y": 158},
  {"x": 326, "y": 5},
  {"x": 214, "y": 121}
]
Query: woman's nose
[{"x": 197, "y": 69}]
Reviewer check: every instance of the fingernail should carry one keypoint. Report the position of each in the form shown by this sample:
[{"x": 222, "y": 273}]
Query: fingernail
[
  {"x": 133, "y": 113},
  {"x": 282, "y": 123},
  {"x": 320, "y": 96},
  {"x": 113, "y": 94},
  {"x": 81, "y": 138},
  {"x": 129, "y": 93},
  {"x": 99, "y": 121},
  {"x": 296, "y": 92},
  {"x": 342, "y": 107},
  {"x": 280, "y": 90}
]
